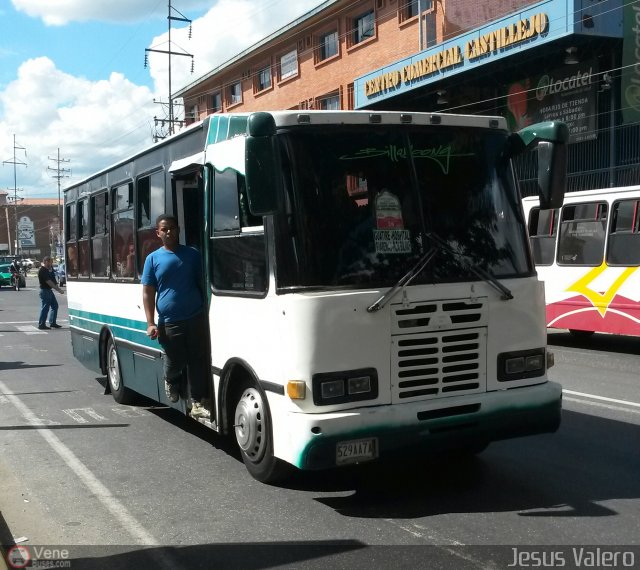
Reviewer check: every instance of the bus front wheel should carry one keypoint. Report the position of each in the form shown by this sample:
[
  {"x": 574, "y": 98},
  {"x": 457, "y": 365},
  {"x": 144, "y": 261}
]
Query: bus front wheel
[
  {"x": 120, "y": 393},
  {"x": 252, "y": 427}
]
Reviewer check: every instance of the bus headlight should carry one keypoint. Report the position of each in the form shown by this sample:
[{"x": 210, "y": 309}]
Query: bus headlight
[
  {"x": 348, "y": 386},
  {"x": 521, "y": 364}
]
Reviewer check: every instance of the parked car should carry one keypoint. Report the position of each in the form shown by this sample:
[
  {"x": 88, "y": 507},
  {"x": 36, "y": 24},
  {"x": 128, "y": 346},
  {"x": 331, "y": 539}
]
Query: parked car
[
  {"x": 5, "y": 276},
  {"x": 61, "y": 274},
  {"x": 28, "y": 263}
]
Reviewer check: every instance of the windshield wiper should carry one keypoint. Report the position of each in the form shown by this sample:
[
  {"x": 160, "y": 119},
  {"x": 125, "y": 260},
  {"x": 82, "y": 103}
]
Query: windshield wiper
[
  {"x": 403, "y": 281},
  {"x": 483, "y": 274}
]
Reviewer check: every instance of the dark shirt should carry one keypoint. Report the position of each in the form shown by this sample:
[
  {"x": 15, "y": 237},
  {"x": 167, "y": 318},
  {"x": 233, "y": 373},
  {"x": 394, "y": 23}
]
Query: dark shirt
[{"x": 45, "y": 275}]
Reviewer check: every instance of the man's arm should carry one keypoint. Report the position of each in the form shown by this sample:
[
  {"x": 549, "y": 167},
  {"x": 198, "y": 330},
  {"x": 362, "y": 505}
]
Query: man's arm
[
  {"x": 54, "y": 285},
  {"x": 149, "y": 303}
]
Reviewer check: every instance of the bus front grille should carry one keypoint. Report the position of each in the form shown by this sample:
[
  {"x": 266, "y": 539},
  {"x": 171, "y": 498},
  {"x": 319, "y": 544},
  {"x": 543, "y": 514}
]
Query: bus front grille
[{"x": 447, "y": 361}]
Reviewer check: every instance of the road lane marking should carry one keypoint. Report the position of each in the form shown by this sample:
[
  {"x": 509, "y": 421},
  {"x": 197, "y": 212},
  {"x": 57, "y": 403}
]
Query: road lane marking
[
  {"x": 602, "y": 398},
  {"x": 97, "y": 488}
]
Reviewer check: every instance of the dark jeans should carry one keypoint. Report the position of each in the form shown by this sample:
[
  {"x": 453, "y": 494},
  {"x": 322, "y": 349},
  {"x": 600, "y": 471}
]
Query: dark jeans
[
  {"x": 49, "y": 301},
  {"x": 186, "y": 344}
]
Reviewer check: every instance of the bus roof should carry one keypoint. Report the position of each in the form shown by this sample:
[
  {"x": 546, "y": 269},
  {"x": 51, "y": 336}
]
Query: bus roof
[
  {"x": 290, "y": 118},
  {"x": 572, "y": 197}
]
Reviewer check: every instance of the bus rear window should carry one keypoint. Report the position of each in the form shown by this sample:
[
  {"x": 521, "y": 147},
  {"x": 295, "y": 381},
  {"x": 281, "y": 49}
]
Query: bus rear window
[
  {"x": 543, "y": 230},
  {"x": 582, "y": 234},
  {"x": 624, "y": 240}
]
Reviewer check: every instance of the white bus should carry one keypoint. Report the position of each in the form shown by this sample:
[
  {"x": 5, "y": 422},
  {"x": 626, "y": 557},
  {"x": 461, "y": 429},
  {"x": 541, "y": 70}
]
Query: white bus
[
  {"x": 588, "y": 253},
  {"x": 370, "y": 284}
]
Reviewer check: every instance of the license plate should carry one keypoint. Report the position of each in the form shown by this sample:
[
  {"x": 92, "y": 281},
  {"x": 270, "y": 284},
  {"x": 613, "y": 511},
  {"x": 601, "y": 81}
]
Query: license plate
[{"x": 356, "y": 450}]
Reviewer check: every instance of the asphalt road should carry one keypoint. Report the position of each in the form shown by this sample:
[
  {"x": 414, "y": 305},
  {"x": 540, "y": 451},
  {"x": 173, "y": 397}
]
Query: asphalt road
[{"x": 112, "y": 486}]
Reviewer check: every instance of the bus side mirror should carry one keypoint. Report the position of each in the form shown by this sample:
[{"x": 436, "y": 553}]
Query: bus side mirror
[
  {"x": 261, "y": 165},
  {"x": 551, "y": 139}
]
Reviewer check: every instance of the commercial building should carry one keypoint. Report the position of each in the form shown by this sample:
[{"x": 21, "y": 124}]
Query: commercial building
[
  {"x": 38, "y": 227},
  {"x": 571, "y": 60}
]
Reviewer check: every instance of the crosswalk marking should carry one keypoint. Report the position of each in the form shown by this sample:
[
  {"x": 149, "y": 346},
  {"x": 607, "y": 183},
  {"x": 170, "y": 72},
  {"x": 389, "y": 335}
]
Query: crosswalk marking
[
  {"x": 29, "y": 329},
  {"x": 76, "y": 415}
]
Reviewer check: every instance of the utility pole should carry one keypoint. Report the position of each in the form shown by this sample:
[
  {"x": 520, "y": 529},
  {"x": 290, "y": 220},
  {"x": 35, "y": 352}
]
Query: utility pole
[
  {"x": 181, "y": 18},
  {"x": 60, "y": 173},
  {"x": 15, "y": 163}
]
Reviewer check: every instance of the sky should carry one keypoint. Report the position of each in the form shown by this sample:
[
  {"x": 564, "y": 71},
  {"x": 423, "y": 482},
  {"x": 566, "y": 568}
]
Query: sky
[{"x": 73, "y": 83}]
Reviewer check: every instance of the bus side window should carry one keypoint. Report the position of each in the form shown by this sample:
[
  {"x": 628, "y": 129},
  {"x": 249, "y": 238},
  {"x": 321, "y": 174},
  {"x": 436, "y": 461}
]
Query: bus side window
[
  {"x": 83, "y": 238},
  {"x": 70, "y": 239},
  {"x": 543, "y": 229},
  {"x": 624, "y": 240},
  {"x": 99, "y": 236},
  {"x": 582, "y": 233},
  {"x": 238, "y": 257},
  {"x": 122, "y": 231},
  {"x": 150, "y": 204}
]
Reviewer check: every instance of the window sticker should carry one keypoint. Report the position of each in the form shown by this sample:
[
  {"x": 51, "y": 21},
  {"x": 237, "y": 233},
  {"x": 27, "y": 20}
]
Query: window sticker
[
  {"x": 388, "y": 212},
  {"x": 390, "y": 235},
  {"x": 392, "y": 241}
]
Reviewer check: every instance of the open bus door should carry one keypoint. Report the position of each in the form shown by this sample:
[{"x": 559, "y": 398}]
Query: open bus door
[{"x": 189, "y": 207}]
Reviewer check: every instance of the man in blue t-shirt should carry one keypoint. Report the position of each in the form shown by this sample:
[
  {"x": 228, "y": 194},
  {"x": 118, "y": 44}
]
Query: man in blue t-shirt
[{"x": 172, "y": 285}]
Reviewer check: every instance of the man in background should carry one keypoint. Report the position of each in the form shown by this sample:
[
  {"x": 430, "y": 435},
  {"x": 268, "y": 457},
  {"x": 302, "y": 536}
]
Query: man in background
[{"x": 47, "y": 280}]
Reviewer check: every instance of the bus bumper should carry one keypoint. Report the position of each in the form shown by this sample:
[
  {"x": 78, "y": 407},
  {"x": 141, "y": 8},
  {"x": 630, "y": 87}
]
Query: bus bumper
[{"x": 434, "y": 425}]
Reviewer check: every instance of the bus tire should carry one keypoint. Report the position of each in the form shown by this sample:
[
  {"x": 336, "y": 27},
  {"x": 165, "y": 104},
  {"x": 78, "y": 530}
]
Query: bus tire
[
  {"x": 120, "y": 393},
  {"x": 252, "y": 428}
]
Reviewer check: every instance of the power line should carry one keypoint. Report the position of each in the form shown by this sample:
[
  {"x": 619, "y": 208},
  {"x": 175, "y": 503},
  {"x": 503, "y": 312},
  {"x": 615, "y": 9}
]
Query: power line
[
  {"x": 59, "y": 174},
  {"x": 171, "y": 17}
]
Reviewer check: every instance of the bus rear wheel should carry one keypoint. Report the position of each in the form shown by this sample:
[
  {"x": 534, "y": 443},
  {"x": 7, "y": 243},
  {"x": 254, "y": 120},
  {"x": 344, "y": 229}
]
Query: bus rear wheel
[
  {"x": 120, "y": 393},
  {"x": 252, "y": 428}
]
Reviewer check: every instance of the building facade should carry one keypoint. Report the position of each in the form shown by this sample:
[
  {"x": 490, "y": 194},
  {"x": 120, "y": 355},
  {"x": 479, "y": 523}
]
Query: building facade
[
  {"x": 571, "y": 60},
  {"x": 38, "y": 224}
]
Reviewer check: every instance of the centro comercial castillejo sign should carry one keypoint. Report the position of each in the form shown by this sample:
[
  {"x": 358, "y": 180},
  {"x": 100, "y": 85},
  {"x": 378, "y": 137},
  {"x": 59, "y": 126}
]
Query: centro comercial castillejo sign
[
  {"x": 474, "y": 48},
  {"x": 513, "y": 34}
]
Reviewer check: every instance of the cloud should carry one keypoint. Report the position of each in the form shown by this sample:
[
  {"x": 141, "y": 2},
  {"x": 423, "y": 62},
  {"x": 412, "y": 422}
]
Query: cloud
[
  {"x": 227, "y": 29},
  {"x": 62, "y": 12},
  {"x": 94, "y": 124},
  {"x": 98, "y": 123}
]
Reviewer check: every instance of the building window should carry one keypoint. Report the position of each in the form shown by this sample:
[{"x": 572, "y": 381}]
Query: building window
[
  {"x": 234, "y": 94},
  {"x": 409, "y": 9},
  {"x": 327, "y": 45},
  {"x": 263, "y": 79},
  {"x": 329, "y": 102},
  {"x": 430, "y": 28},
  {"x": 216, "y": 102},
  {"x": 289, "y": 65},
  {"x": 363, "y": 27}
]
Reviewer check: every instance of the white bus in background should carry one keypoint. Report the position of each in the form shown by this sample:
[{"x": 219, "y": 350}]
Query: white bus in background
[
  {"x": 369, "y": 281},
  {"x": 588, "y": 255}
]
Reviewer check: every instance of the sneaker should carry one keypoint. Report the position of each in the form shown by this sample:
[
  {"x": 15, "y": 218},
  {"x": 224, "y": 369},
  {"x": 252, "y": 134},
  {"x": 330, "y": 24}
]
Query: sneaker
[
  {"x": 55, "y": 326},
  {"x": 172, "y": 391},
  {"x": 199, "y": 411},
  {"x": 44, "y": 328}
]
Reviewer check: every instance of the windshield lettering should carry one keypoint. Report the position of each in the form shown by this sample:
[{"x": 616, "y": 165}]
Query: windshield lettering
[{"x": 442, "y": 155}]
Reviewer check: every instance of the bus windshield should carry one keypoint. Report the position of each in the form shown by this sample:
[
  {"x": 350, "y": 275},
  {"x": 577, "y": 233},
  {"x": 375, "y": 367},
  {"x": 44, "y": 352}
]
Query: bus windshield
[{"x": 361, "y": 203}]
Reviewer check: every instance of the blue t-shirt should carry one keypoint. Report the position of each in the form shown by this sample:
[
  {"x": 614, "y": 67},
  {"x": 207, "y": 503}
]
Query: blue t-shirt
[{"x": 175, "y": 276}]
